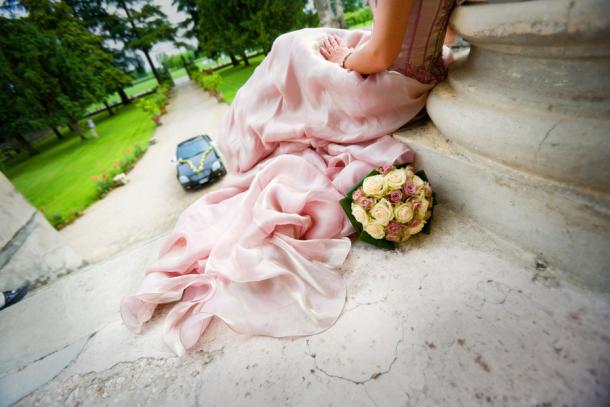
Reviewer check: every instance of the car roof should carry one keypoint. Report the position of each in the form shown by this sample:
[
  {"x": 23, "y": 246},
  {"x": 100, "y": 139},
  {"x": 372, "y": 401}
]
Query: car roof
[{"x": 192, "y": 139}]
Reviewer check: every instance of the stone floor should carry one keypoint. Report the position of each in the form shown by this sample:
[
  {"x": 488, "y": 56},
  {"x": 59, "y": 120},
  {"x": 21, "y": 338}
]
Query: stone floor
[
  {"x": 153, "y": 199},
  {"x": 459, "y": 317}
]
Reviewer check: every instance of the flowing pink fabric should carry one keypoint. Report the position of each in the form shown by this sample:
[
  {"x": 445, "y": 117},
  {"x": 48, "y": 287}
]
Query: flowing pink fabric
[{"x": 262, "y": 252}]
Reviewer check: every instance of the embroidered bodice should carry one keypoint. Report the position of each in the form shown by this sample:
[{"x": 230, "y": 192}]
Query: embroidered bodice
[{"x": 421, "y": 54}]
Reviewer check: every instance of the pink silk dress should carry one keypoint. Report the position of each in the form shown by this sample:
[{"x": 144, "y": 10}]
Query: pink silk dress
[{"x": 263, "y": 252}]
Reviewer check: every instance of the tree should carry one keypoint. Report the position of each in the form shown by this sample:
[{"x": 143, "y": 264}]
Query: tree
[
  {"x": 51, "y": 70},
  {"x": 21, "y": 57},
  {"x": 142, "y": 26},
  {"x": 191, "y": 24},
  {"x": 221, "y": 28},
  {"x": 82, "y": 71},
  {"x": 352, "y": 5},
  {"x": 233, "y": 26},
  {"x": 272, "y": 18},
  {"x": 330, "y": 13},
  {"x": 99, "y": 21}
]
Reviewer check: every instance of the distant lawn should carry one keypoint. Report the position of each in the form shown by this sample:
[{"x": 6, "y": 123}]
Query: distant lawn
[
  {"x": 234, "y": 77},
  {"x": 144, "y": 84},
  {"x": 59, "y": 180},
  {"x": 138, "y": 86},
  {"x": 177, "y": 73}
]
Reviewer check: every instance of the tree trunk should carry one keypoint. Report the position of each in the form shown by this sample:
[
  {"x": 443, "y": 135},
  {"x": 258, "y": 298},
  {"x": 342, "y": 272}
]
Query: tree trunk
[
  {"x": 78, "y": 130},
  {"x": 339, "y": 14},
  {"x": 26, "y": 144},
  {"x": 244, "y": 58},
  {"x": 124, "y": 98},
  {"x": 110, "y": 112},
  {"x": 325, "y": 13},
  {"x": 137, "y": 34},
  {"x": 57, "y": 132},
  {"x": 152, "y": 66},
  {"x": 234, "y": 60}
]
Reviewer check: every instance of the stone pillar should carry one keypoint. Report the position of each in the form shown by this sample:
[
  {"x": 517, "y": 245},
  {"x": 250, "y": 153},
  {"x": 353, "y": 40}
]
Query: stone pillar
[
  {"x": 31, "y": 250},
  {"x": 523, "y": 140}
]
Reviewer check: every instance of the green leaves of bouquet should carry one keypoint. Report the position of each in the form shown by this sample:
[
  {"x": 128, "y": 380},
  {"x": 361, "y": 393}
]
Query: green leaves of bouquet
[{"x": 390, "y": 205}]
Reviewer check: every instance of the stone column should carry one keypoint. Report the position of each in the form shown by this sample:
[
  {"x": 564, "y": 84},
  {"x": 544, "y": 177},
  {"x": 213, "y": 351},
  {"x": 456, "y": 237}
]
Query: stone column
[
  {"x": 31, "y": 250},
  {"x": 523, "y": 140}
]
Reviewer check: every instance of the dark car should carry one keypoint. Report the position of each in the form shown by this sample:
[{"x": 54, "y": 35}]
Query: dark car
[{"x": 198, "y": 162}]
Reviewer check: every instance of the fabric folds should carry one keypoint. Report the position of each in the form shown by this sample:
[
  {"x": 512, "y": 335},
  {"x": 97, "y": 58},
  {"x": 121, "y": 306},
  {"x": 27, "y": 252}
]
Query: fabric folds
[{"x": 262, "y": 252}]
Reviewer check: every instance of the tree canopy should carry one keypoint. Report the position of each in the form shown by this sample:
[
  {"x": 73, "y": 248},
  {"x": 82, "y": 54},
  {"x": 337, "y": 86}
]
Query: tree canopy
[
  {"x": 51, "y": 69},
  {"x": 139, "y": 25},
  {"x": 191, "y": 24},
  {"x": 234, "y": 26}
]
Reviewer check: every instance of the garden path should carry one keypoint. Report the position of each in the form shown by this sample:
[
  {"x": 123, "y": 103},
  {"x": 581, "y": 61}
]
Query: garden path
[{"x": 152, "y": 200}]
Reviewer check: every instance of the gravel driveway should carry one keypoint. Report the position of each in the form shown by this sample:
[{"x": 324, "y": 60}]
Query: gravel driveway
[{"x": 152, "y": 200}]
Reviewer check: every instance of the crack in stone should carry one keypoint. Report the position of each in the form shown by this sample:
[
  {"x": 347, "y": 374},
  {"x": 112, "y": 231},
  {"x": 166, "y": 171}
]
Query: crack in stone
[
  {"x": 548, "y": 133},
  {"x": 366, "y": 391},
  {"x": 20, "y": 368},
  {"x": 365, "y": 304},
  {"x": 373, "y": 376}
]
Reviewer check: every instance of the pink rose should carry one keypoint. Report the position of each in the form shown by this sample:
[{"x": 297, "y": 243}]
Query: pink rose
[
  {"x": 385, "y": 169},
  {"x": 366, "y": 203},
  {"x": 395, "y": 196},
  {"x": 357, "y": 194},
  {"x": 393, "y": 237},
  {"x": 414, "y": 223},
  {"x": 394, "y": 227},
  {"x": 409, "y": 188}
]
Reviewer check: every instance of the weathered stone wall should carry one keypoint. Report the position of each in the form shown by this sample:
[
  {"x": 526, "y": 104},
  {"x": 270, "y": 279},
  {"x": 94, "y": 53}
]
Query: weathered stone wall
[
  {"x": 31, "y": 251},
  {"x": 523, "y": 140}
]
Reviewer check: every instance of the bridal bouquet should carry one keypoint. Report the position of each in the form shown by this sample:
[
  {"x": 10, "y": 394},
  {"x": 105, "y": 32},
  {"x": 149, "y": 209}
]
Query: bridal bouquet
[{"x": 390, "y": 205}]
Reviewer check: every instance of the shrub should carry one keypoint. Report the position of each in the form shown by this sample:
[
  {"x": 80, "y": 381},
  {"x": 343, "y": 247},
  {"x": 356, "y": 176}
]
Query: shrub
[
  {"x": 57, "y": 220},
  {"x": 208, "y": 81},
  {"x": 104, "y": 183},
  {"x": 155, "y": 103},
  {"x": 358, "y": 17},
  {"x": 137, "y": 150},
  {"x": 211, "y": 82},
  {"x": 148, "y": 105}
]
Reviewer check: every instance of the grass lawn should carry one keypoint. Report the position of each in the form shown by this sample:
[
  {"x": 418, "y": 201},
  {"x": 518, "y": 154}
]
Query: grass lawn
[
  {"x": 177, "y": 73},
  {"x": 140, "y": 86},
  {"x": 232, "y": 78},
  {"x": 58, "y": 181}
]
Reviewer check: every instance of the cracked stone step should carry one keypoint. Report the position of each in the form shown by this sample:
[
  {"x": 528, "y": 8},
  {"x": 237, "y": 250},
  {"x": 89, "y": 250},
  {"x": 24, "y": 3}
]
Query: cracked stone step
[{"x": 15, "y": 386}]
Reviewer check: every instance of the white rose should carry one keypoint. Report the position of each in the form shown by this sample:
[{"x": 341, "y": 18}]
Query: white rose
[
  {"x": 396, "y": 178},
  {"x": 419, "y": 183},
  {"x": 413, "y": 230},
  {"x": 375, "y": 186},
  {"x": 422, "y": 209},
  {"x": 376, "y": 230},
  {"x": 382, "y": 212},
  {"x": 360, "y": 214},
  {"x": 409, "y": 171},
  {"x": 403, "y": 212}
]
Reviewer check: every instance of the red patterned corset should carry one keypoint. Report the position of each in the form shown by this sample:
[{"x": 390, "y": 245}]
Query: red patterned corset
[{"x": 421, "y": 54}]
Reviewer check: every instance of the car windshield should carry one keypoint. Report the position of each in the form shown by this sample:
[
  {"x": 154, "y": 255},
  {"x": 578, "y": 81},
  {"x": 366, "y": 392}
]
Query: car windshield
[{"x": 192, "y": 148}]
